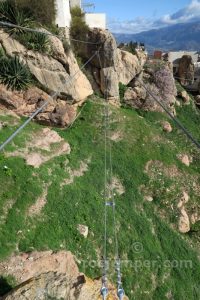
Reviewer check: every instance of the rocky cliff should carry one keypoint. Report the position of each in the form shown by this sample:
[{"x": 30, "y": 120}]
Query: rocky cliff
[
  {"x": 51, "y": 275},
  {"x": 55, "y": 74},
  {"x": 112, "y": 65},
  {"x": 52, "y": 180}
]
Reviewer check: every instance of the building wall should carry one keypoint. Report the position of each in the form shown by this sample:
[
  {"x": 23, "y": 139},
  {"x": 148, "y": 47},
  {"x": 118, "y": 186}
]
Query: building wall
[
  {"x": 95, "y": 20},
  {"x": 158, "y": 54},
  {"x": 74, "y": 3},
  {"x": 63, "y": 15},
  {"x": 173, "y": 56}
]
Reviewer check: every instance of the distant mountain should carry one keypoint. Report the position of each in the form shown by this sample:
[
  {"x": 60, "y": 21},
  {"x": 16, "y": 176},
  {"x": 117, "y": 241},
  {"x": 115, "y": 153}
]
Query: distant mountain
[{"x": 175, "y": 37}]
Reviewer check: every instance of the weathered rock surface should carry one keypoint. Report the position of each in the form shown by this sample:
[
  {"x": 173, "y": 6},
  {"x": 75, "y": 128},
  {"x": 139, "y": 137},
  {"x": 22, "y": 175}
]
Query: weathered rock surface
[
  {"x": 53, "y": 74},
  {"x": 186, "y": 70},
  {"x": 28, "y": 265},
  {"x": 197, "y": 99},
  {"x": 83, "y": 230},
  {"x": 48, "y": 275},
  {"x": 57, "y": 112},
  {"x": 109, "y": 82},
  {"x": 184, "y": 221},
  {"x": 111, "y": 65},
  {"x": 59, "y": 286},
  {"x": 167, "y": 127},
  {"x": 42, "y": 146},
  {"x": 161, "y": 85},
  {"x": 128, "y": 65},
  {"x": 185, "y": 159},
  {"x": 184, "y": 95}
]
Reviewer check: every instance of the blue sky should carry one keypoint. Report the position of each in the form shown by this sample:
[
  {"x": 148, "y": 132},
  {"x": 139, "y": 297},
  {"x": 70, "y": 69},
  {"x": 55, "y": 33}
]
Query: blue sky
[{"x": 131, "y": 16}]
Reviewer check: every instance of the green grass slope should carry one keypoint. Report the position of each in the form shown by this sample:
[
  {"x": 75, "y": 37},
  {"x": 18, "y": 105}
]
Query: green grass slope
[{"x": 157, "y": 261}]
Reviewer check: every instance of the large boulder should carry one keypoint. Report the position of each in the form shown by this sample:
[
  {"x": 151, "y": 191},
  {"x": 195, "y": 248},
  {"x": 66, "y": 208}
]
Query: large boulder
[
  {"x": 109, "y": 82},
  {"x": 127, "y": 66},
  {"x": 53, "y": 285},
  {"x": 51, "y": 275},
  {"x": 114, "y": 65},
  {"x": 160, "y": 84},
  {"x": 186, "y": 70},
  {"x": 54, "y": 73}
]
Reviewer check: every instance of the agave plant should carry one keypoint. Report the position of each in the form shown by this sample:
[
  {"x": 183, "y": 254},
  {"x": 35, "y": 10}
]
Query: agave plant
[
  {"x": 9, "y": 13},
  {"x": 36, "y": 41},
  {"x": 15, "y": 74}
]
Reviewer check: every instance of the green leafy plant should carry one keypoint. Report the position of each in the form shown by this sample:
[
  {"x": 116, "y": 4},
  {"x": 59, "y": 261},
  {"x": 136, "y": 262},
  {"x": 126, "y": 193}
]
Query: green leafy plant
[
  {"x": 35, "y": 41},
  {"x": 79, "y": 29},
  {"x": 43, "y": 11},
  {"x": 15, "y": 74},
  {"x": 2, "y": 53},
  {"x": 122, "y": 90},
  {"x": 6, "y": 284},
  {"x": 9, "y": 13}
]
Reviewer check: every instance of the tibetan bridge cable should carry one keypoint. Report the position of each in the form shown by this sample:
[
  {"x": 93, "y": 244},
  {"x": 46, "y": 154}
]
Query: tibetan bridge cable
[
  {"x": 109, "y": 202},
  {"x": 40, "y": 109},
  {"x": 176, "y": 121}
]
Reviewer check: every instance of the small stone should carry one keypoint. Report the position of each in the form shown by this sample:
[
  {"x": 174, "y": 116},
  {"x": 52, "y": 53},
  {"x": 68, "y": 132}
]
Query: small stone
[
  {"x": 184, "y": 158},
  {"x": 167, "y": 127},
  {"x": 185, "y": 197},
  {"x": 184, "y": 95},
  {"x": 197, "y": 99},
  {"x": 148, "y": 198},
  {"x": 184, "y": 222},
  {"x": 83, "y": 230}
]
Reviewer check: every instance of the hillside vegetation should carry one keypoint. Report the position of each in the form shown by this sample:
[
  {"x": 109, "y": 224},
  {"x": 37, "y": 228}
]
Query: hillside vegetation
[{"x": 157, "y": 261}]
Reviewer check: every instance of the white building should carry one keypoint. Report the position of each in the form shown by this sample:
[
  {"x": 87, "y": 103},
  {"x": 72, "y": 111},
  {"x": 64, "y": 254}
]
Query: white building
[
  {"x": 74, "y": 3},
  {"x": 95, "y": 20},
  {"x": 175, "y": 56},
  {"x": 63, "y": 15}
]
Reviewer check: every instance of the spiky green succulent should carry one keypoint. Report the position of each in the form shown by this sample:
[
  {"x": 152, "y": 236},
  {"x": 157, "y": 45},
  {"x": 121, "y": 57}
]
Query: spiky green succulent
[{"x": 15, "y": 74}]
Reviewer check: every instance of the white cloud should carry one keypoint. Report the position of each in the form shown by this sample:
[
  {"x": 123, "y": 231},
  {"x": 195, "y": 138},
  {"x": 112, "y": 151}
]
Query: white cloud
[
  {"x": 188, "y": 14},
  {"x": 131, "y": 26}
]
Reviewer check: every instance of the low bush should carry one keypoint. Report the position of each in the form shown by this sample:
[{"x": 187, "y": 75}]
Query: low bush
[
  {"x": 6, "y": 284},
  {"x": 42, "y": 11},
  {"x": 15, "y": 74},
  {"x": 2, "y": 53},
  {"x": 79, "y": 29},
  {"x": 122, "y": 90}
]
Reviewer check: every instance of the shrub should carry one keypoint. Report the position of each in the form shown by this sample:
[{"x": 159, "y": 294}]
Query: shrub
[
  {"x": 79, "y": 29},
  {"x": 2, "y": 53},
  {"x": 77, "y": 12},
  {"x": 9, "y": 13},
  {"x": 43, "y": 11},
  {"x": 35, "y": 41},
  {"x": 15, "y": 74},
  {"x": 66, "y": 46},
  {"x": 6, "y": 284},
  {"x": 122, "y": 90}
]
